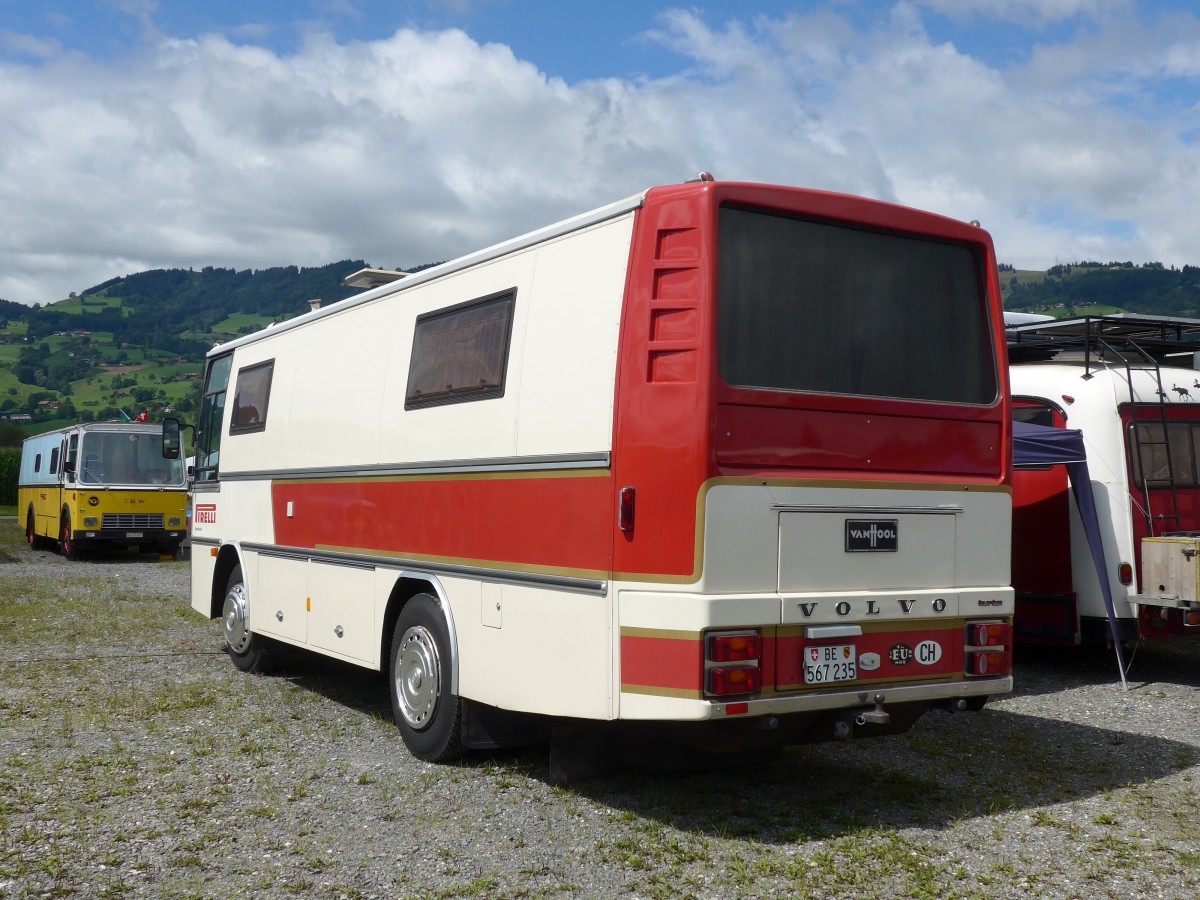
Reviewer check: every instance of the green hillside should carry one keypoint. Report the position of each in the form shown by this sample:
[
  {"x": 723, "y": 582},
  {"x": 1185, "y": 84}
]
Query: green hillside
[
  {"x": 1092, "y": 288},
  {"x": 138, "y": 342}
]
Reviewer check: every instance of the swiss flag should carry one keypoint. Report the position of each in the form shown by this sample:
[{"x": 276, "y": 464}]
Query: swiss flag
[{"x": 145, "y": 415}]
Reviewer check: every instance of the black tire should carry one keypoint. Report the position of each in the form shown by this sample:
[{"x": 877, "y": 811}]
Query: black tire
[
  {"x": 36, "y": 541},
  {"x": 66, "y": 539},
  {"x": 428, "y": 715},
  {"x": 245, "y": 648},
  {"x": 975, "y": 704}
]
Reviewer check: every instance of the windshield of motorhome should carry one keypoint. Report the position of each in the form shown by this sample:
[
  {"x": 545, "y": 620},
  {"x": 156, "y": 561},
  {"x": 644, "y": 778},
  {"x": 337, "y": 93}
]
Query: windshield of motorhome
[
  {"x": 123, "y": 458},
  {"x": 818, "y": 307}
]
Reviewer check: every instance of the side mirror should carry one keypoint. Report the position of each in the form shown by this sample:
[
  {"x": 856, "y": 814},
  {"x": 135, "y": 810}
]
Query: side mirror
[{"x": 171, "y": 439}]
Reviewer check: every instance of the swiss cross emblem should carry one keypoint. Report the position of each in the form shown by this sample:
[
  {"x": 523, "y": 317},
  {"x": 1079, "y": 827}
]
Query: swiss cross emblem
[{"x": 814, "y": 654}]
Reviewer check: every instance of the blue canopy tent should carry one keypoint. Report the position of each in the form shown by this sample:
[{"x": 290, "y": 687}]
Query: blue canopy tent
[{"x": 1039, "y": 445}]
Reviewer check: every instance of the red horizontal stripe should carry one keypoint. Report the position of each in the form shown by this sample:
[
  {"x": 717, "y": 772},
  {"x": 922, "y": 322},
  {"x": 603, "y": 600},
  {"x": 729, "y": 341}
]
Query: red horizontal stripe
[
  {"x": 662, "y": 662},
  {"x": 556, "y": 523}
]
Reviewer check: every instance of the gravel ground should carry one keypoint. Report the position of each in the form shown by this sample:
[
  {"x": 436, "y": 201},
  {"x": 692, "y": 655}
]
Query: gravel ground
[{"x": 135, "y": 761}]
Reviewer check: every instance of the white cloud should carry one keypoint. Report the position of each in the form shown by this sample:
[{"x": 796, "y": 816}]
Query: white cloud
[
  {"x": 1037, "y": 13},
  {"x": 420, "y": 146}
]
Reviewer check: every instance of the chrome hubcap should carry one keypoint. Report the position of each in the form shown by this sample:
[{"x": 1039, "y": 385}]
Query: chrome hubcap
[
  {"x": 417, "y": 676},
  {"x": 237, "y": 632}
]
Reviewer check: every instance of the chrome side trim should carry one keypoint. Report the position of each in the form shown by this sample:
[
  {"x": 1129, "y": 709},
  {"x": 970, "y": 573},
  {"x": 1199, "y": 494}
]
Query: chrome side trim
[
  {"x": 868, "y": 510},
  {"x": 864, "y": 695},
  {"x": 429, "y": 570},
  {"x": 433, "y": 467},
  {"x": 820, "y": 632}
]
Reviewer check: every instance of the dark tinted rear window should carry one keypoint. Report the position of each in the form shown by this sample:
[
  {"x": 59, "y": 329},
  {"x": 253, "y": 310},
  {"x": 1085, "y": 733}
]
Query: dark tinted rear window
[{"x": 812, "y": 306}]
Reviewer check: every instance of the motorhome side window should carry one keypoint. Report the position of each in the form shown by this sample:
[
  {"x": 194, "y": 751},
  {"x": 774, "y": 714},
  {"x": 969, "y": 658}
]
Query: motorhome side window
[
  {"x": 250, "y": 397},
  {"x": 461, "y": 353},
  {"x": 54, "y": 461},
  {"x": 212, "y": 411},
  {"x": 1034, "y": 415}
]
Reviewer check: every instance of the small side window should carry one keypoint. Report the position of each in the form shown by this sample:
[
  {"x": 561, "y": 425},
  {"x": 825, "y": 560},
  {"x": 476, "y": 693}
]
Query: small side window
[
  {"x": 37, "y": 463},
  {"x": 54, "y": 461},
  {"x": 251, "y": 394},
  {"x": 461, "y": 353}
]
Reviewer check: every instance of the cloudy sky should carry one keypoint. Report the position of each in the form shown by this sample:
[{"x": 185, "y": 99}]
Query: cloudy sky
[{"x": 141, "y": 134}]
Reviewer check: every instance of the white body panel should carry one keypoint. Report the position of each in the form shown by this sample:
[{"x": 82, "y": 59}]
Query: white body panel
[{"x": 558, "y": 401}]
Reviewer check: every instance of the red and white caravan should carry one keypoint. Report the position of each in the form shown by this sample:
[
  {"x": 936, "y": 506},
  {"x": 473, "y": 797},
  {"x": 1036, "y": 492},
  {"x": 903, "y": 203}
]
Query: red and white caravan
[
  {"x": 730, "y": 456},
  {"x": 1127, "y": 383}
]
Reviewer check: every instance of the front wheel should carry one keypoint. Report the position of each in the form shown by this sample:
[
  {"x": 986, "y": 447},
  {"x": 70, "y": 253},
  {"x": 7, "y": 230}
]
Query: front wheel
[
  {"x": 245, "y": 648},
  {"x": 66, "y": 539},
  {"x": 428, "y": 714}
]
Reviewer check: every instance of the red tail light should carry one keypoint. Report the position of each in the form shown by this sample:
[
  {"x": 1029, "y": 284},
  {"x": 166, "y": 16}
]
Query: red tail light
[
  {"x": 724, "y": 680},
  {"x": 989, "y": 662},
  {"x": 734, "y": 647},
  {"x": 625, "y": 509},
  {"x": 988, "y": 634},
  {"x": 1125, "y": 573}
]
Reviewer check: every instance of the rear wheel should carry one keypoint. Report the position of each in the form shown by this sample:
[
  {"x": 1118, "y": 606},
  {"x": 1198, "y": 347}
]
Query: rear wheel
[
  {"x": 245, "y": 648},
  {"x": 428, "y": 714},
  {"x": 31, "y": 535}
]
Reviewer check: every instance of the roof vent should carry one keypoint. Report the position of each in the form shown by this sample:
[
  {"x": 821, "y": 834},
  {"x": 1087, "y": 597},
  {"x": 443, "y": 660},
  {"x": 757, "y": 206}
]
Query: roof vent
[
  {"x": 314, "y": 304},
  {"x": 700, "y": 176}
]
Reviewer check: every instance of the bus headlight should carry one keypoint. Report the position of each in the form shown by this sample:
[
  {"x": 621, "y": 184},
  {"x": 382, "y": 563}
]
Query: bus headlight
[
  {"x": 175, "y": 522},
  {"x": 91, "y": 522}
]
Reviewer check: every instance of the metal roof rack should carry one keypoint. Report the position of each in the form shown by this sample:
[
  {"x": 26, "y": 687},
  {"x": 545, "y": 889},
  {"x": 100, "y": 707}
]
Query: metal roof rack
[{"x": 1153, "y": 337}]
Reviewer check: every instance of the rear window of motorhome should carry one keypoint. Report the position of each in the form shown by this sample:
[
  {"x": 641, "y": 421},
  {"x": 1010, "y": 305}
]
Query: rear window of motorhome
[
  {"x": 820, "y": 307},
  {"x": 1165, "y": 459},
  {"x": 251, "y": 394},
  {"x": 461, "y": 353}
]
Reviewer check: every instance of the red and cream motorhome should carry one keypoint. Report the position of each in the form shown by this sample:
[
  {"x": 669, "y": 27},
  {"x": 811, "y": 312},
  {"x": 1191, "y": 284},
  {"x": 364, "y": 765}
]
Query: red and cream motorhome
[
  {"x": 1127, "y": 383},
  {"x": 730, "y": 456}
]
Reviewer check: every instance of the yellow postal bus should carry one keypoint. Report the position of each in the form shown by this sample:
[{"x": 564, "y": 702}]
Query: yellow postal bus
[{"x": 102, "y": 485}]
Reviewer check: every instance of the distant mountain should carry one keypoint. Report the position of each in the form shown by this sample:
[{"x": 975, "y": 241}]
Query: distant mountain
[
  {"x": 138, "y": 342},
  {"x": 1078, "y": 288},
  {"x": 179, "y": 309}
]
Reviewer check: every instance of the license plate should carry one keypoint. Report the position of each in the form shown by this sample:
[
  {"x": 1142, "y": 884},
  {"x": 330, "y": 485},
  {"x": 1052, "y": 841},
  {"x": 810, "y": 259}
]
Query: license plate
[
  {"x": 829, "y": 663},
  {"x": 130, "y": 534}
]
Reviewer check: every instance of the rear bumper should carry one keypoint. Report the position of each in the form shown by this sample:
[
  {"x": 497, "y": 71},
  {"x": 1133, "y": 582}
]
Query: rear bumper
[{"x": 888, "y": 695}]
